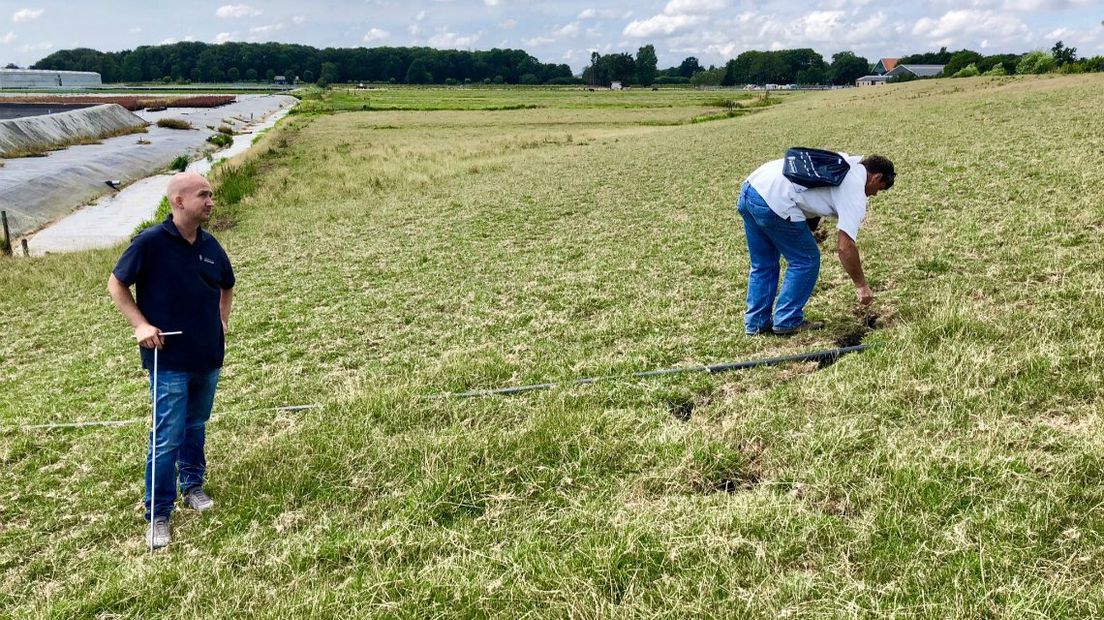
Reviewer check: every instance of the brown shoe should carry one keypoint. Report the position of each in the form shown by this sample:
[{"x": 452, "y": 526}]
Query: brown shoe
[{"x": 805, "y": 326}]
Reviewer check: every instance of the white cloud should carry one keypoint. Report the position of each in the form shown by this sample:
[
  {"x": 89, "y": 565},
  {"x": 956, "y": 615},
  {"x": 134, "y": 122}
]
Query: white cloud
[
  {"x": 235, "y": 11},
  {"x": 376, "y": 34},
  {"x": 135, "y": 30},
  {"x": 602, "y": 14},
  {"x": 36, "y": 47},
  {"x": 509, "y": 24},
  {"x": 8, "y": 38},
  {"x": 675, "y": 7},
  {"x": 953, "y": 26},
  {"x": 225, "y": 37},
  {"x": 1041, "y": 5},
  {"x": 661, "y": 25},
  {"x": 492, "y": 2},
  {"x": 822, "y": 25},
  {"x": 298, "y": 19},
  {"x": 677, "y": 16},
  {"x": 451, "y": 40},
  {"x": 26, "y": 15},
  {"x": 420, "y": 16},
  {"x": 266, "y": 30},
  {"x": 567, "y": 31}
]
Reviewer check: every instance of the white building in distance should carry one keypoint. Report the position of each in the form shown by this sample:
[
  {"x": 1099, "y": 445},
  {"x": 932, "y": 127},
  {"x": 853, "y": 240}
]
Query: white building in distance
[{"x": 35, "y": 78}]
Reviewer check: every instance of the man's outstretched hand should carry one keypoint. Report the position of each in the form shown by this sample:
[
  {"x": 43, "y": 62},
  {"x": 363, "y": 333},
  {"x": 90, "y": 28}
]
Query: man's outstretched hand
[{"x": 865, "y": 295}]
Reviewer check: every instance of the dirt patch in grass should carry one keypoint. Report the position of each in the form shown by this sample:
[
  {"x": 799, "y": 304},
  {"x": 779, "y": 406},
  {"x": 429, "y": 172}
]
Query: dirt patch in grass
[{"x": 744, "y": 477}]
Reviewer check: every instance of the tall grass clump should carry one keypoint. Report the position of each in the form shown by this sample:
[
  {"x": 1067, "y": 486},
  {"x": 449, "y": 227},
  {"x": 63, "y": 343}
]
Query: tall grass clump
[
  {"x": 220, "y": 139},
  {"x": 232, "y": 183},
  {"x": 180, "y": 163},
  {"x": 174, "y": 123}
]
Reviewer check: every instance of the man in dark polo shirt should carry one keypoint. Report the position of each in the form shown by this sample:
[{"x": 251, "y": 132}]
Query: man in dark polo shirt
[{"x": 184, "y": 282}]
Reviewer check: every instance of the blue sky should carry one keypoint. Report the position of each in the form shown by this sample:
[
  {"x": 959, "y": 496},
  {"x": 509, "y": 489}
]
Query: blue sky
[{"x": 561, "y": 32}]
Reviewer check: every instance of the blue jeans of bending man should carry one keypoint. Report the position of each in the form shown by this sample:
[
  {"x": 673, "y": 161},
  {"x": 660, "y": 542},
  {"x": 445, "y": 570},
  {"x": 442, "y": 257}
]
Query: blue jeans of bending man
[
  {"x": 770, "y": 237},
  {"x": 184, "y": 401}
]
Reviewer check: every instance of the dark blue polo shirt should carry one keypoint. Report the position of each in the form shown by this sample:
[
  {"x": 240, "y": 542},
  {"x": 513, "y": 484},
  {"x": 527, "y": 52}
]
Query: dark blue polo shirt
[{"x": 178, "y": 287}]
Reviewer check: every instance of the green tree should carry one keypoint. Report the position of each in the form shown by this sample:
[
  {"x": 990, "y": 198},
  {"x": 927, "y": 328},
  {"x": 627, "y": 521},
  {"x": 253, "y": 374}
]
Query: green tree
[
  {"x": 646, "y": 62},
  {"x": 960, "y": 60},
  {"x": 812, "y": 75},
  {"x": 689, "y": 67},
  {"x": 1063, "y": 54},
  {"x": 418, "y": 73},
  {"x": 251, "y": 75},
  {"x": 846, "y": 67},
  {"x": 1036, "y": 62},
  {"x": 708, "y": 77},
  {"x": 233, "y": 74},
  {"x": 941, "y": 57},
  {"x": 329, "y": 73},
  {"x": 969, "y": 70}
]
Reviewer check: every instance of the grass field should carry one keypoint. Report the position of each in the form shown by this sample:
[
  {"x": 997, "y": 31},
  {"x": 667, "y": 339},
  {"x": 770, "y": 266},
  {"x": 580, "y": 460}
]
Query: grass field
[{"x": 953, "y": 470}]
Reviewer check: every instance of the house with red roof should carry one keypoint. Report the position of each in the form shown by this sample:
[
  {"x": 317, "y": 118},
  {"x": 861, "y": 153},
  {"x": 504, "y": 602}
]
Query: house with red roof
[{"x": 885, "y": 65}]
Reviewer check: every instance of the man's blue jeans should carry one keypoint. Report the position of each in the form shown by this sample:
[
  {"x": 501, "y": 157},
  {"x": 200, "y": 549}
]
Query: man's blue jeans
[
  {"x": 184, "y": 401},
  {"x": 769, "y": 237}
]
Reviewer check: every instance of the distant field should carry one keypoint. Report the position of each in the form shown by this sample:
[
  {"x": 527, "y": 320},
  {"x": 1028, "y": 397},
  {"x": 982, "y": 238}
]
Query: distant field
[
  {"x": 442, "y": 241},
  {"x": 507, "y": 98}
]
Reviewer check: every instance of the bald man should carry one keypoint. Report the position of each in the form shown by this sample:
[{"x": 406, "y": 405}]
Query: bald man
[{"x": 184, "y": 282}]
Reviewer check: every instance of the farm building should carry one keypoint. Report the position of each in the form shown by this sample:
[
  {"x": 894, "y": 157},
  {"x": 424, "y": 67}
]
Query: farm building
[
  {"x": 920, "y": 71},
  {"x": 872, "y": 80},
  {"x": 31, "y": 78},
  {"x": 884, "y": 66}
]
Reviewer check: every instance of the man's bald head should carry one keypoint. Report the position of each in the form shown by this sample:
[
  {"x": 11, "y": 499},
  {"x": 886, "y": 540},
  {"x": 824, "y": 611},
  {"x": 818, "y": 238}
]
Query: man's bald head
[
  {"x": 189, "y": 196},
  {"x": 181, "y": 183}
]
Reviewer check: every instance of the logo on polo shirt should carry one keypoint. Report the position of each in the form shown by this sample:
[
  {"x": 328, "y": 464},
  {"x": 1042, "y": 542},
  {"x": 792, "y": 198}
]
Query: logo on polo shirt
[{"x": 206, "y": 260}]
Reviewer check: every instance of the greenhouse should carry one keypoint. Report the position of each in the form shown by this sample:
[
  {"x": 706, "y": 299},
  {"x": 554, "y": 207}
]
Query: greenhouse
[{"x": 30, "y": 78}]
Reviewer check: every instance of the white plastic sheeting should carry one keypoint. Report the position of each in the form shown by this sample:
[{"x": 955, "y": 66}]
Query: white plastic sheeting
[
  {"x": 36, "y": 78},
  {"x": 38, "y": 190},
  {"x": 35, "y": 132},
  {"x": 112, "y": 219}
]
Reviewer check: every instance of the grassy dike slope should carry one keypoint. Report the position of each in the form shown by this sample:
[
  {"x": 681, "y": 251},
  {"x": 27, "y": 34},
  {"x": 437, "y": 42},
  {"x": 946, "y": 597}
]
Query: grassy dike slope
[{"x": 953, "y": 471}]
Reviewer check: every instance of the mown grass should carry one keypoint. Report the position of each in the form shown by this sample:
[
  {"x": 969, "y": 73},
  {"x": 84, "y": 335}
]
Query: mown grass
[
  {"x": 489, "y": 99},
  {"x": 951, "y": 471}
]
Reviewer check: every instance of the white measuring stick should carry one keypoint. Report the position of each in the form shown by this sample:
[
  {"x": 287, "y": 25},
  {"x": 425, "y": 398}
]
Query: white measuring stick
[{"x": 153, "y": 446}]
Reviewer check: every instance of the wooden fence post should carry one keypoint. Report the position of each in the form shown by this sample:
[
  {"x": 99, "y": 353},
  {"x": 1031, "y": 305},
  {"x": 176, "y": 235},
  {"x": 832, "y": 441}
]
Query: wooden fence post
[
  {"x": 26, "y": 250},
  {"x": 7, "y": 234}
]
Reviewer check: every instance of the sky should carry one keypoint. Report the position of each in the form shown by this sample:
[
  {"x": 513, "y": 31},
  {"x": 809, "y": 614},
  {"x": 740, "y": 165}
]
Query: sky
[{"x": 561, "y": 32}]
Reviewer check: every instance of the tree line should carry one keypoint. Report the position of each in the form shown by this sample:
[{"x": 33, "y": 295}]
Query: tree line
[{"x": 234, "y": 62}]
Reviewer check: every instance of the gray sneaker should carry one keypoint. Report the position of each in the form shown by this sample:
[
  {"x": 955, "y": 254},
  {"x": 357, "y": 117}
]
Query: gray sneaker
[
  {"x": 197, "y": 499},
  {"x": 157, "y": 533}
]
